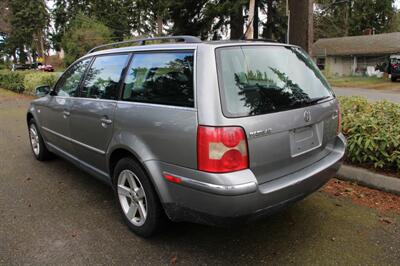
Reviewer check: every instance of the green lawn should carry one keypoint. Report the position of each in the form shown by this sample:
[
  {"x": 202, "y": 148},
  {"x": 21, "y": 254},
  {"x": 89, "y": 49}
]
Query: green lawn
[{"x": 363, "y": 82}]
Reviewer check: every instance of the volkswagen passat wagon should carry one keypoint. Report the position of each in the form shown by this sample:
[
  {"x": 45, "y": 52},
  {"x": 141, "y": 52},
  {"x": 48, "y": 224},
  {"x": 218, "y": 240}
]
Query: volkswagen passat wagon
[{"x": 206, "y": 132}]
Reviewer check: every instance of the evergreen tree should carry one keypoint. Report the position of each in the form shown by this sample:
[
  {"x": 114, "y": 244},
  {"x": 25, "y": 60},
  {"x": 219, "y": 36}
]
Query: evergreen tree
[
  {"x": 28, "y": 22},
  {"x": 371, "y": 14},
  {"x": 116, "y": 15},
  {"x": 275, "y": 26},
  {"x": 337, "y": 18},
  {"x": 83, "y": 34},
  {"x": 188, "y": 17}
]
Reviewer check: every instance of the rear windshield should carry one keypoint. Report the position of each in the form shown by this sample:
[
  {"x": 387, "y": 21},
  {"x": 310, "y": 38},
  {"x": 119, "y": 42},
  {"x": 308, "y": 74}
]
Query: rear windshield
[{"x": 257, "y": 80}]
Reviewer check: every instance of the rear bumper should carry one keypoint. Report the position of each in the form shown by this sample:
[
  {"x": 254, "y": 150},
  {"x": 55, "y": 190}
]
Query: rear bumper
[{"x": 226, "y": 198}]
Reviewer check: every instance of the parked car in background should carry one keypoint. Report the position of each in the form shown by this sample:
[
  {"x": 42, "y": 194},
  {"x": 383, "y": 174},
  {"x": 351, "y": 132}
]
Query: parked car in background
[
  {"x": 206, "y": 132},
  {"x": 15, "y": 67},
  {"x": 395, "y": 67},
  {"x": 38, "y": 66},
  {"x": 46, "y": 68}
]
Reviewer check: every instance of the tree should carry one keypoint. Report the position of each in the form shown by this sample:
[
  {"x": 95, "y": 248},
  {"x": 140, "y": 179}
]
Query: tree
[
  {"x": 275, "y": 27},
  {"x": 5, "y": 15},
  {"x": 83, "y": 34},
  {"x": 188, "y": 17},
  {"x": 28, "y": 21},
  {"x": 236, "y": 19},
  {"x": 395, "y": 23},
  {"x": 371, "y": 14},
  {"x": 150, "y": 16},
  {"x": 207, "y": 19},
  {"x": 348, "y": 18},
  {"x": 116, "y": 15}
]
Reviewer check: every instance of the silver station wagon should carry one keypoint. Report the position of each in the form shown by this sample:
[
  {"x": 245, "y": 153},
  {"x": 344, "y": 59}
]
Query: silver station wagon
[{"x": 185, "y": 130}]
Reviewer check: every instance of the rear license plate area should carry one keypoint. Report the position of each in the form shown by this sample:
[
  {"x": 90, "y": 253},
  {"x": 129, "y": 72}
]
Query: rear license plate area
[{"x": 305, "y": 139}]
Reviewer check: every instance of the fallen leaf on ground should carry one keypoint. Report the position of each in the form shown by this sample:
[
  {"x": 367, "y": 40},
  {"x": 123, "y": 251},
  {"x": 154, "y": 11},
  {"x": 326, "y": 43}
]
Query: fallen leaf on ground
[
  {"x": 372, "y": 198},
  {"x": 174, "y": 259}
]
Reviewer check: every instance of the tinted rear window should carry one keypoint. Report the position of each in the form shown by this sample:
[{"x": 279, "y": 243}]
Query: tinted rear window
[
  {"x": 102, "y": 78},
  {"x": 161, "y": 78},
  {"x": 257, "y": 80}
]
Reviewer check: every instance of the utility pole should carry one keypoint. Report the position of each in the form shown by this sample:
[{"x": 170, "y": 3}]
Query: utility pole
[{"x": 249, "y": 34}]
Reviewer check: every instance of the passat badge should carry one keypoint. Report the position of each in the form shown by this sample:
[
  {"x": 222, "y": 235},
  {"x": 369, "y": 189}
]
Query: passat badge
[{"x": 260, "y": 133}]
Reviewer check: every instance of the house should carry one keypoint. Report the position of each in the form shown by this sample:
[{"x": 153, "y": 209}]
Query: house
[{"x": 352, "y": 55}]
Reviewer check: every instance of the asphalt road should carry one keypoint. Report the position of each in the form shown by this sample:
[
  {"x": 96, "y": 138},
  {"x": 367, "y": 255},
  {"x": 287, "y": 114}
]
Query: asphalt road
[
  {"x": 370, "y": 94},
  {"x": 53, "y": 213}
]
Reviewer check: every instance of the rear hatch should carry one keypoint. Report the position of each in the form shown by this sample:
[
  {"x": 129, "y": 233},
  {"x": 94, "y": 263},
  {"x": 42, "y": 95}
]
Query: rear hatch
[{"x": 283, "y": 102}]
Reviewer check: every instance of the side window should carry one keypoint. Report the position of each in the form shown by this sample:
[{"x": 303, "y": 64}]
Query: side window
[
  {"x": 69, "y": 82},
  {"x": 102, "y": 78},
  {"x": 161, "y": 78}
]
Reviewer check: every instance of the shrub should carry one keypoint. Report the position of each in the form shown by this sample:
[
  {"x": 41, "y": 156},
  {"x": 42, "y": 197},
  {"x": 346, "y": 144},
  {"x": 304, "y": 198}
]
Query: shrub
[
  {"x": 12, "y": 80},
  {"x": 35, "y": 79},
  {"x": 26, "y": 81},
  {"x": 372, "y": 131}
]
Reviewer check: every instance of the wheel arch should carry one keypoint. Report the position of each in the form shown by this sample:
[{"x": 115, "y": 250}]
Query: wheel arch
[
  {"x": 121, "y": 152},
  {"x": 29, "y": 116},
  {"x": 117, "y": 154}
]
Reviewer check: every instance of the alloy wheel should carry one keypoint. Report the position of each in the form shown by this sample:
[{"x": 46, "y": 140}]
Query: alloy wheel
[{"x": 132, "y": 197}]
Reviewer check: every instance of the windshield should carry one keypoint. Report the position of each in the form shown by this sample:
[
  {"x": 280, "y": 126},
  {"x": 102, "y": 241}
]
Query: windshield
[{"x": 258, "y": 80}]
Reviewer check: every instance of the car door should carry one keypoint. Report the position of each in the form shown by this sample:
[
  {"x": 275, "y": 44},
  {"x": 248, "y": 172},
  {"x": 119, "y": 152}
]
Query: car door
[
  {"x": 92, "y": 113},
  {"x": 55, "y": 114}
]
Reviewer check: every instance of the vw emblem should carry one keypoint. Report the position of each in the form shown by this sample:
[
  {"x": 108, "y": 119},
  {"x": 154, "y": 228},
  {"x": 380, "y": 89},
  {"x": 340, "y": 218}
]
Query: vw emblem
[{"x": 307, "y": 116}]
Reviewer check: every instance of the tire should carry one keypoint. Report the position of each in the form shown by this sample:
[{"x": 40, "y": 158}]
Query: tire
[
  {"x": 140, "y": 207},
  {"x": 394, "y": 79},
  {"x": 38, "y": 147}
]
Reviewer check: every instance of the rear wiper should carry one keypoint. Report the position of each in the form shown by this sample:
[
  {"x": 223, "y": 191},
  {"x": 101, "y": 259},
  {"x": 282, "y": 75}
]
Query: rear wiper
[{"x": 317, "y": 100}]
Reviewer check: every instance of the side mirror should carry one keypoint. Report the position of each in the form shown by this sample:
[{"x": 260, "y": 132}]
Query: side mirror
[{"x": 42, "y": 90}]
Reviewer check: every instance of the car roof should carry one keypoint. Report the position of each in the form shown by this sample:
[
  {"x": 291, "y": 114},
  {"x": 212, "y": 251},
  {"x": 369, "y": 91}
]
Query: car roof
[{"x": 185, "y": 46}]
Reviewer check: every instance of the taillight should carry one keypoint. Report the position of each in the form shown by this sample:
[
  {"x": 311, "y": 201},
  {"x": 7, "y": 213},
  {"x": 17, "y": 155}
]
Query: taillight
[
  {"x": 221, "y": 149},
  {"x": 339, "y": 125}
]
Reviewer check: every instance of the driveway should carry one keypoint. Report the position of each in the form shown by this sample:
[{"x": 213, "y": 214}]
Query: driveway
[
  {"x": 53, "y": 213},
  {"x": 370, "y": 94}
]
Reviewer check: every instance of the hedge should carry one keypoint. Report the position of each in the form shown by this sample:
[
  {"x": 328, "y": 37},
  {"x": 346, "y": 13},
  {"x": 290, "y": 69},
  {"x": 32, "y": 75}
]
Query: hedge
[
  {"x": 34, "y": 79},
  {"x": 26, "y": 81},
  {"x": 372, "y": 131},
  {"x": 12, "y": 80}
]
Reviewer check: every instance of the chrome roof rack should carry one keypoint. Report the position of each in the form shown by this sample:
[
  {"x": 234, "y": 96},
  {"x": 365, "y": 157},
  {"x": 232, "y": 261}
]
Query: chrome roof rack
[
  {"x": 259, "y": 40},
  {"x": 182, "y": 38}
]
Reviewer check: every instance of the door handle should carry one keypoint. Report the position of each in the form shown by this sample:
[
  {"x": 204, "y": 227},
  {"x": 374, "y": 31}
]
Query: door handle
[
  {"x": 66, "y": 114},
  {"x": 105, "y": 121},
  {"x": 335, "y": 114}
]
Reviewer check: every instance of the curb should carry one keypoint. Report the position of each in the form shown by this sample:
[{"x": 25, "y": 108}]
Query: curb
[{"x": 370, "y": 179}]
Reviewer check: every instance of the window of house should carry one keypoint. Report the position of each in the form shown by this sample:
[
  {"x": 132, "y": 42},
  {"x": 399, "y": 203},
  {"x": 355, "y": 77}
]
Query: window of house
[{"x": 321, "y": 63}]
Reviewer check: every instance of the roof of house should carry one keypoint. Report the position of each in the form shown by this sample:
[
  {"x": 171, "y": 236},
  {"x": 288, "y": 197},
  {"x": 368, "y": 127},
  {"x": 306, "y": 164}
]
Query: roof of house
[{"x": 388, "y": 43}]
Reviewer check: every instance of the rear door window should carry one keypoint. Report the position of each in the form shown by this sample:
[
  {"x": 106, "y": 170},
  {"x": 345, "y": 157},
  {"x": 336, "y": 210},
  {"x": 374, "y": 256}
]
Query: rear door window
[
  {"x": 161, "y": 78},
  {"x": 102, "y": 78},
  {"x": 257, "y": 80}
]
